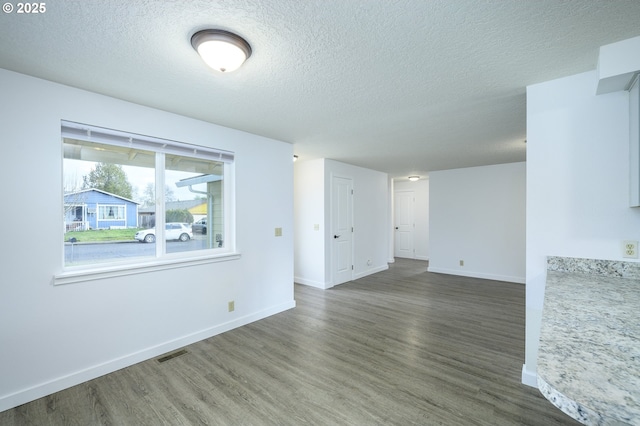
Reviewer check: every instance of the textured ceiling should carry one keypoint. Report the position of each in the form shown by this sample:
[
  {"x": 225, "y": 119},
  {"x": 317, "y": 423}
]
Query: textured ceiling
[{"x": 404, "y": 87}]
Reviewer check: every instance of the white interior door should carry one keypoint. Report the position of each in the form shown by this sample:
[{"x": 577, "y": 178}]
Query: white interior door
[
  {"x": 341, "y": 229},
  {"x": 404, "y": 204}
]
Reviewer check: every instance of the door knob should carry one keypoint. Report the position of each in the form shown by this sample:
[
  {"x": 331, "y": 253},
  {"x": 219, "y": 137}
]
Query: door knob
[
  {"x": 336, "y": 236},
  {"x": 396, "y": 227}
]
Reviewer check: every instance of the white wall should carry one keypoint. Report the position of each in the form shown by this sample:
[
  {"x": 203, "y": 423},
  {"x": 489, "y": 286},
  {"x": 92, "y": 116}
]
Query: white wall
[
  {"x": 421, "y": 214},
  {"x": 370, "y": 216},
  {"x": 309, "y": 211},
  {"x": 53, "y": 337},
  {"x": 477, "y": 215},
  {"x": 577, "y": 184}
]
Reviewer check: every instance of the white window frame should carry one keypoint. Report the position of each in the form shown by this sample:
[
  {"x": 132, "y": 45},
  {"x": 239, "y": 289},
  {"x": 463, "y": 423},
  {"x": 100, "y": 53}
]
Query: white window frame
[
  {"x": 117, "y": 206},
  {"x": 162, "y": 260}
]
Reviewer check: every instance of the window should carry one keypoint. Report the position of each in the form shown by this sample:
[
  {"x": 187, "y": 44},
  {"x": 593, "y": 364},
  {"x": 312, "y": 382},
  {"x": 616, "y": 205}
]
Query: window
[
  {"x": 111, "y": 212},
  {"x": 131, "y": 199}
]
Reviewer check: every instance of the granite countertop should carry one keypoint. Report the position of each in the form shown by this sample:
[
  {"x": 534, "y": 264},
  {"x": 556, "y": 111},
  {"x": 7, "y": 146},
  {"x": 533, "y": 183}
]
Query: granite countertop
[{"x": 589, "y": 354}]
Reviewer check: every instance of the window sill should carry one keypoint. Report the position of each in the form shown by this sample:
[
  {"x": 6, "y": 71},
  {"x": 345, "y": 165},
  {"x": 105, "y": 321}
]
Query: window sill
[{"x": 79, "y": 276}]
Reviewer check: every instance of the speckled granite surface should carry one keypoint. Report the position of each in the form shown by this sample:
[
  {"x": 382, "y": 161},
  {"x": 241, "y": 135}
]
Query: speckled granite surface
[
  {"x": 589, "y": 354},
  {"x": 607, "y": 268}
]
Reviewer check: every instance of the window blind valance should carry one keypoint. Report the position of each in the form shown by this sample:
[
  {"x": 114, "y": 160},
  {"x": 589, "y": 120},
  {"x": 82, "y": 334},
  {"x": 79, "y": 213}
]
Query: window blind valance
[{"x": 90, "y": 133}]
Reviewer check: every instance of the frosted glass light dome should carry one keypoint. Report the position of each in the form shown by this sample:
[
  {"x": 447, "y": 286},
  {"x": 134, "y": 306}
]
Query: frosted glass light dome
[{"x": 221, "y": 50}]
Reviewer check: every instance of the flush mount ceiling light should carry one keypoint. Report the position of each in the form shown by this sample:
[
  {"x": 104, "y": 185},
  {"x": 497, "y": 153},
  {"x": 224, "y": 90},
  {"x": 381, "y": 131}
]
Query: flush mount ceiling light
[
  {"x": 221, "y": 50},
  {"x": 414, "y": 178}
]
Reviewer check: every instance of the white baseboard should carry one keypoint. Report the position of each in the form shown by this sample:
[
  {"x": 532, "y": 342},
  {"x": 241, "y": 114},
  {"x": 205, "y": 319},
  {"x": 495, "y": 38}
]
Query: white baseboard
[
  {"x": 311, "y": 283},
  {"x": 496, "y": 277},
  {"x": 370, "y": 271},
  {"x": 47, "y": 388},
  {"x": 327, "y": 285},
  {"x": 529, "y": 378},
  {"x": 417, "y": 257}
]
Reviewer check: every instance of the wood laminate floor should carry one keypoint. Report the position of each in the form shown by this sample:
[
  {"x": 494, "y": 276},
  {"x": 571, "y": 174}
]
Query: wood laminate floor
[{"x": 401, "y": 347}]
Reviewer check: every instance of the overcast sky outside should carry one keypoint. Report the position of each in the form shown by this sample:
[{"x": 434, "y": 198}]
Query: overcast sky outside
[{"x": 138, "y": 177}]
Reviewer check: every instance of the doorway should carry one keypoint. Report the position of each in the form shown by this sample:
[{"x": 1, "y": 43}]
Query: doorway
[
  {"x": 341, "y": 229},
  {"x": 404, "y": 213}
]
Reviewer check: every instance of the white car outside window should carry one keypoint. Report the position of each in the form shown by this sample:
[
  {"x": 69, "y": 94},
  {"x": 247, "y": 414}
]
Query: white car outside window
[{"x": 173, "y": 231}]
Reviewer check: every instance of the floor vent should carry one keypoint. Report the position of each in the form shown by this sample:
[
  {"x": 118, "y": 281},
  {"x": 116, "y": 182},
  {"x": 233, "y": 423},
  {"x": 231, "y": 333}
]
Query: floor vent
[{"x": 173, "y": 355}]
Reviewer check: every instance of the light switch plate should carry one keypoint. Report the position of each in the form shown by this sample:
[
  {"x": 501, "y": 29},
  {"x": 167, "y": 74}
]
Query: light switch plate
[{"x": 278, "y": 232}]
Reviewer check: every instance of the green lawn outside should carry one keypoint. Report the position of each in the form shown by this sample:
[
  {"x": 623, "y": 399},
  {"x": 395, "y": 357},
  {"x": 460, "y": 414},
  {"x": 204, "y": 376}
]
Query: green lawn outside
[{"x": 96, "y": 235}]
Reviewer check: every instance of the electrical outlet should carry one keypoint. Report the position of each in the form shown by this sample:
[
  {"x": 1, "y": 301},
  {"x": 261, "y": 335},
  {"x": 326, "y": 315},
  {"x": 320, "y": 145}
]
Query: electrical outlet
[
  {"x": 630, "y": 249},
  {"x": 461, "y": 262},
  {"x": 278, "y": 232},
  {"x": 232, "y": 306}
]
